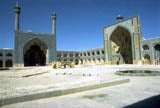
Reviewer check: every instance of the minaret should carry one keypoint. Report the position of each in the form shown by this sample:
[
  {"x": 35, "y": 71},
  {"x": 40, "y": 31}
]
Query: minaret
[
  {"x": 54, "y": 34},
  {"x": 17, "y": 10},
  {"x": 54, "y": 24}
]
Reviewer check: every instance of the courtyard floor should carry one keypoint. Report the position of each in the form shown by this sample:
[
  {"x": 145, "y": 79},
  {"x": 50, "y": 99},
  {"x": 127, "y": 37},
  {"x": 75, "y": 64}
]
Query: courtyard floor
[{"x": 141, "y": 91}]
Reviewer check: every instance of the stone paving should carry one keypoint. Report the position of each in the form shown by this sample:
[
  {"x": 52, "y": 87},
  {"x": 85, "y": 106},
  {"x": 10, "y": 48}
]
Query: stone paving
[
  {"x": 22, "y": 81},
  {"x": 139, "y": 88}
]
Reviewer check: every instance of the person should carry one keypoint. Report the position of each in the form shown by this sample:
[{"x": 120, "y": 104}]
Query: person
[{"x": 117, "y": 62}]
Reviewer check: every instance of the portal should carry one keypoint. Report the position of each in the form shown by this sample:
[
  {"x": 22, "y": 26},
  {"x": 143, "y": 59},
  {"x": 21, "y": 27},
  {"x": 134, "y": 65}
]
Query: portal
[
  {"x": 34, "y": 57},
  {"x": 35, "y": 52},
  {"x": 121, "y": 46}
]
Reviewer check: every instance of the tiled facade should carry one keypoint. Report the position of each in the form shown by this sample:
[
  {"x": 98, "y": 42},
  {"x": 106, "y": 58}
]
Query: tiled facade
[
  {"x": 6, "y": 57},
  {"x": 123, "y": 44},
  {"x": 87, "y": 57},
  {"x": 92, "y": 56},
  {"x": 150, "y": 51}
]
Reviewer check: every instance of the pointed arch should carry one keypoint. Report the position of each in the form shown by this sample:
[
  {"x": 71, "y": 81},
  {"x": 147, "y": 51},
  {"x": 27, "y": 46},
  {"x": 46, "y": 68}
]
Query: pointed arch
[
  {"x": 9, "y": 55},
  {"x": 35, "y": 52},
  {"x": 121, "y": 46},
  {"x": 8, "y": 63},
  {"x": 1, "y": 54},
  {"x": 157, "y": 52},
  {"x": 147, "y": 59},
  {"x": 157, "y": 47},
  {"x": 1, "y": 63},
  {"x": 121, "y": 26},
  {"x": 35, "y": 41},
  {"x": 145, "y": 47}
]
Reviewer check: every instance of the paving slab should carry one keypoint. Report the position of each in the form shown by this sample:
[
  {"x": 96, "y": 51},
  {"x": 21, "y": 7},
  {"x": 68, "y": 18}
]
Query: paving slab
[{"x": 123, "y": 95}]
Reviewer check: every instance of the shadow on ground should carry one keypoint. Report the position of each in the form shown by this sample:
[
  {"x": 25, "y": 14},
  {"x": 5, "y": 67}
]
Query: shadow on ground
[{"x": 152, "y": 102}]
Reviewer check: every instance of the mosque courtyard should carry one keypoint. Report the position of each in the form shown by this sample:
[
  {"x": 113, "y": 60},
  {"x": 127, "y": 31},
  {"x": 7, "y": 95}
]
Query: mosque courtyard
[{"x": 115, "y": 91}]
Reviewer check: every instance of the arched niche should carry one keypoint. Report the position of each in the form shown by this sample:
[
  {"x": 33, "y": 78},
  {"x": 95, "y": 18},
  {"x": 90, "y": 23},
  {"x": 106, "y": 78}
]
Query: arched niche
[
  {"x": 8, "y": 63},
  {"x": 121, "y": 46},
  {"x": 145, "y": 47},
  {"x": 1, "y": 63},
  {"x": 157, "y": 47},
  {"x": 35, "y": 53},
  {"x": 147, "y": 59},
  {"x": 8, "y": 55}
]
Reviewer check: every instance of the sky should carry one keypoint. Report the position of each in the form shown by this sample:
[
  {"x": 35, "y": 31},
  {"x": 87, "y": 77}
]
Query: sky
[{"x": 80, "y": 23}]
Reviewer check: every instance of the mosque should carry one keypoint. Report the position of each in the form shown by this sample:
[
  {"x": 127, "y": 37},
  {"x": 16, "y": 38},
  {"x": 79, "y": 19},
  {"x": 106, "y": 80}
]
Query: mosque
[{"x": 123, "y": 44}]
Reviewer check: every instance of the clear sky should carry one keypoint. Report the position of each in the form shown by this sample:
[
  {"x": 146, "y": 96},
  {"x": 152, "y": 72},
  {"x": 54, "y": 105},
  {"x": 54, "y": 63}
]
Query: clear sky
[{"x": 79, "y": 22}]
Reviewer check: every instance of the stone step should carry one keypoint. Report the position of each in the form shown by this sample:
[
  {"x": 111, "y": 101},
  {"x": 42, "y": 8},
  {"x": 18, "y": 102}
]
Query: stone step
[{"x": 61, "y": 92}]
